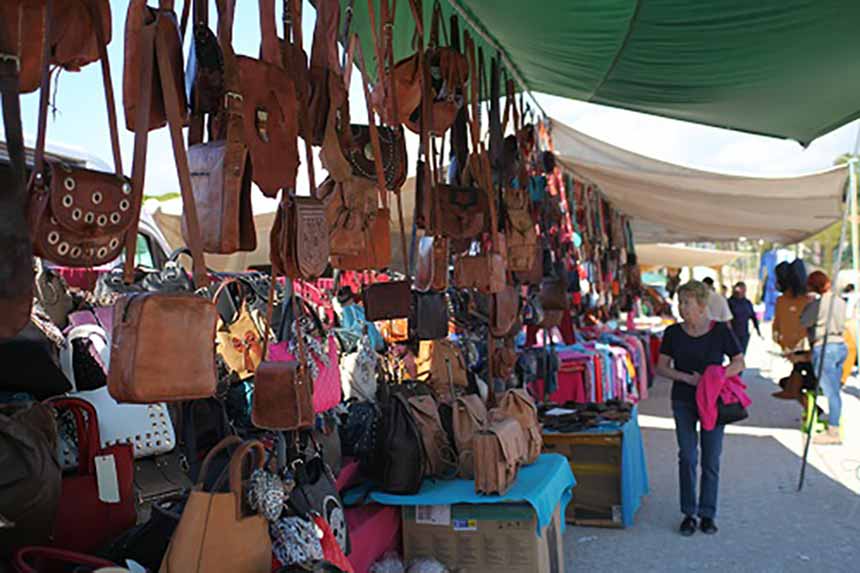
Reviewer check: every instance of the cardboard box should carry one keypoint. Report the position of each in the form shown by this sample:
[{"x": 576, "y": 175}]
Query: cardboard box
[
  {"x": 484, "y": 538},
  {"x": 596, "y": 463}
]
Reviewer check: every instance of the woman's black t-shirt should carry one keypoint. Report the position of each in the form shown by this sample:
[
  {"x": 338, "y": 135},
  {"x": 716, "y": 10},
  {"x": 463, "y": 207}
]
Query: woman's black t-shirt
[{"x": 695, "y": 353}]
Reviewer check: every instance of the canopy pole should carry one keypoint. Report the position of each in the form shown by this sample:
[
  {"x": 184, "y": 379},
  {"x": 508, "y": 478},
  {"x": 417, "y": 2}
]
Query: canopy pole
[
  {"x": 819, "y": 367},
  {"x": 855, "y": 245}
]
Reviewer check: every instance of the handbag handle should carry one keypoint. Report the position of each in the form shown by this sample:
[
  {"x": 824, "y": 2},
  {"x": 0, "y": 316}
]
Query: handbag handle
[
  {"x": 26, "y": 555},
  {"x": 236, "y": 463},
  {"x": 227, "y": 442},
  {"x": 87, "y": 430}
]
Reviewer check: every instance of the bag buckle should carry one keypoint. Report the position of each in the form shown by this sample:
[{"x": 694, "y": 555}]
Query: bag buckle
[
  {"x": 232, "y": 97},
  {"x": 13, "y": 58}
]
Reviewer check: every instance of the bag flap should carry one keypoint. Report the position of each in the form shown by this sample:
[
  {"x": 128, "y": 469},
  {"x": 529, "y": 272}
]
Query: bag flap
[{"x": 90, "y": 203}]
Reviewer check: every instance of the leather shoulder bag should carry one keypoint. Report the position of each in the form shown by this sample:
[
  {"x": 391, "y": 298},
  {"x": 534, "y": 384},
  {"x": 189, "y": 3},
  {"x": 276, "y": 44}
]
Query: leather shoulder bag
[
  {"x": 469, "y": 416},
  {"x": 499, "y": 451},
  {"x": 79, "y": 216},
  {"x": 520, "y": 406}
]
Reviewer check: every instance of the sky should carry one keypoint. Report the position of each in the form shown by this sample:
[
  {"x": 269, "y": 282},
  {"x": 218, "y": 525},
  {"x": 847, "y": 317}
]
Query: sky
[{"x": 80, "y": 123}]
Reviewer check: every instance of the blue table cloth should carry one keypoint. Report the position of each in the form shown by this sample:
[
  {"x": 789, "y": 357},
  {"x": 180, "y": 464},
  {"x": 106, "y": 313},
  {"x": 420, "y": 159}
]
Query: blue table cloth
[
  {"x": 543, "y": 485},
  {"x": 634, "y": 470}
]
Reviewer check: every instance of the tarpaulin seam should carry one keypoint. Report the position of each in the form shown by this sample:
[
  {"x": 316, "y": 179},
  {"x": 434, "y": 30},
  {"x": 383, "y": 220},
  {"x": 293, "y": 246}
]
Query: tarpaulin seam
[{"x": 633, "y": 18}]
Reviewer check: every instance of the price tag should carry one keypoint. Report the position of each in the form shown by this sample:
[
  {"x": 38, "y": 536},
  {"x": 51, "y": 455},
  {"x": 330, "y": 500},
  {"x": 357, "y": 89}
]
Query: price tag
[{"x": 106, "y": 478}]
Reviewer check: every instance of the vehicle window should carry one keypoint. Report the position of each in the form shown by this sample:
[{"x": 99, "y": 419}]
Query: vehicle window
[{"x": 143, "y": 255}]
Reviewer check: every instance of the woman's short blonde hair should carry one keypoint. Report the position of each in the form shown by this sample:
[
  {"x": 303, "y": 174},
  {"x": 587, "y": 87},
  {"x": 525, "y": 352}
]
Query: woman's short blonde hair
[{"x": 695, "y": 289}]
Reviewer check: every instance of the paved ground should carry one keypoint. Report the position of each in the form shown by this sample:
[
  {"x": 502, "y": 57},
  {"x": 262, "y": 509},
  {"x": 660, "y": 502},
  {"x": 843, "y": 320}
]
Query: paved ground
[{"x": 765, "y": 523}]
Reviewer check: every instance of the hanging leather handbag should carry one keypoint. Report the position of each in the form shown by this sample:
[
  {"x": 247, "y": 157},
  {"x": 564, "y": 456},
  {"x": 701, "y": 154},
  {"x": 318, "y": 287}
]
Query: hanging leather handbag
[
  {"x": 393, "y": 152},
  {"x": 499, "y": 451},
  {"x": 138, "y": 16},
  {"x": 30, "y": 487},
  {"x": 484, "y": 272},
  {"x": 299, "y": 238},
  {"x": 215, "y": 533},
  {"x": 327, "y": 383},
  {"x": 101, "y": 493},
  {"x": 387, "y": 300},
  {"x": 378, "y": 254},
  {"x": 324, "y": 62},
  {"x": 469, "y": 416},
  {"x": 283, "y": 390},
  {"x": 79, "y": 217},
  {"x": 350, "y": 211},
  {"x": 460, "y": 211},
  {"x": 520, "y": 406},
  {"x": 433, "y": 259},
  {"x": 154, "y": 363},
  {"x": 17, "y": 19},
  {"x": 506, "y": 311},
  {"x": 429, "y": 317},
  {"x": 424, "y": 266}
]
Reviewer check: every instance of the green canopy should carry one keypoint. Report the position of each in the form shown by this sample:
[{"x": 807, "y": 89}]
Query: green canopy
[{"x": 784, "y": 68}]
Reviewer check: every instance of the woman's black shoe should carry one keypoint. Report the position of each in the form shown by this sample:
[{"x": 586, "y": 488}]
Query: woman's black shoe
[
  {"x": 688, "y": 526},
  {"x": 708, "y": 526}
]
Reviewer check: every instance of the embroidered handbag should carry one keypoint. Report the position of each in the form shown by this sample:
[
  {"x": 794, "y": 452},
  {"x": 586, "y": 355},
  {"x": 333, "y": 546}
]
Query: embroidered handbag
[{"x": 299, "y": 238}]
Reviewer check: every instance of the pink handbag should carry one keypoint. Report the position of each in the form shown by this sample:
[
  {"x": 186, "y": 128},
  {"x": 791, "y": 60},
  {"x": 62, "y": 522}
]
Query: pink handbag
[{"x": 327, "y": 385}]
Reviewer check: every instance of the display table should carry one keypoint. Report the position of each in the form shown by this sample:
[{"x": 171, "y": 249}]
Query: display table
[{"x": 609, "y": 462}]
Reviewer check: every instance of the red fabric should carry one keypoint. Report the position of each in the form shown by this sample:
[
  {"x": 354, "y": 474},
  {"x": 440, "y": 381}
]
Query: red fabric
[
  {"x": 374, "y": 530},
  {"x": 714, "y": 385},
  {"x": 571, "y": 387},
  {"x": 331, "y": 549},
  {"x": 327, "y": 385},
  {"x": 84, "y": 523},
  {"x": 83, "y": 278},
  {"x": 565, "y": 329}
]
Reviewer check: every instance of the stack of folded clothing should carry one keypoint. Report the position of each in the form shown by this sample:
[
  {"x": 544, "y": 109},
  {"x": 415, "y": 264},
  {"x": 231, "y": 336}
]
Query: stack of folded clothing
[{"x": 573, "y": 417}]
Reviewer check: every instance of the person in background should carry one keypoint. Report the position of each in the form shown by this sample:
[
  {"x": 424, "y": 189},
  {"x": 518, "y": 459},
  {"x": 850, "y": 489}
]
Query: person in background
[
  {"x": 815, "y": 319},
  {"x": 849, "y": 295},
  {"x": 742, "y": 312},
  {"x": 688, "y": 348},
  {"x": 718, "y": 306}
]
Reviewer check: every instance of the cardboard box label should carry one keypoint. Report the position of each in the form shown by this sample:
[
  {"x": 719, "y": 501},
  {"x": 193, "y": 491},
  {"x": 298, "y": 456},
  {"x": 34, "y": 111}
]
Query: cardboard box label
[
  {"x": 433, "y": 514},
  {"x": 465, "y": 525}
]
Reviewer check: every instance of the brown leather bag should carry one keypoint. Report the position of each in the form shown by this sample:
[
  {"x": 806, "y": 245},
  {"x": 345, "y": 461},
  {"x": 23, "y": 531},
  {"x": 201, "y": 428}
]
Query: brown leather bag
[
  {"x": 553, "y": 294},
  {"x": 460, "y": 211},
  {"x": 138, "y": 16},
  {"x": 499, "y": 451},
  {"x": 215, "y": 534},
  {"x": 484, "y": 272},
  {"x": 283, "y": 391},
  {"x": 378, "y": 255},
  {"x": 79, "y": 217},
  {"x": 162, "y": 348},
  {"x": 350, "y": 211},
  {"x": 338, "y": 135},
  {"x": 393, "y": 151},
  {"x": 434, "y": 357},
  {"x": 505, "y": 312},
  {"x": 520, "y": 234},
  {"x": 520, "y": 406},
  {"x": 32, "y": 478},
  {"x": 432, "y": 267},
  {"x": 387, "y": 300},
  {"x": 439, "y": 456},
  {"x": 324, "y": 62},
  {"x": 447, "y": 70},
  {"x": 299, "y": 238},
  {"x": 22, "y": 25},
  {"x": 469, "y": 416}
]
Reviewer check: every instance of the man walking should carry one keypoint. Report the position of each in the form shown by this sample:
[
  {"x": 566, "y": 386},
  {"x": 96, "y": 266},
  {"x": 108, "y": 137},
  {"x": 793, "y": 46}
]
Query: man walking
[{"x": 742, "y": 312}]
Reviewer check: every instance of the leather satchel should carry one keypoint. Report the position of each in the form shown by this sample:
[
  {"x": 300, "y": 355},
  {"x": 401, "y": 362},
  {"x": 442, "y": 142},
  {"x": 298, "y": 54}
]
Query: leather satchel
[
  {"x": 162, "y": 348},
  {"x": 433, "y": 362},
  {"x": 520, "y": 406},
  {"x": 350, "y": 211},
  {"x": 214, "y": 533},
  {"x": 378, "y": 254},
  {"x": 299, "y": 238},
  {"x": 324, "y": 62},
  {"x": 387, "y": 300},
  {"x": 499, "y": 451},
  {"x": 461, "y": 211},
  {"x": 484, "y": 272},
  {"x": 79, "y": 216},
  {"x": 105, "y": 513},
  {"x": 393, "y": 147},
  {"x": 553, "y": 294},
  {"x": 30, "y": 489},
  {"x": 468, "y": 417}
]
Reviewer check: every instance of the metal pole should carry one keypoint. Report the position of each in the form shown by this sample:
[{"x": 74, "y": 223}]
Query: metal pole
[{"x": 819, "y": 368}]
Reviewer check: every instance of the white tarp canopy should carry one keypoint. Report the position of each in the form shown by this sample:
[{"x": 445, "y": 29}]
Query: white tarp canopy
[
  {"x": 672, "y": 203},
  {"x": 665, "y": 255}
]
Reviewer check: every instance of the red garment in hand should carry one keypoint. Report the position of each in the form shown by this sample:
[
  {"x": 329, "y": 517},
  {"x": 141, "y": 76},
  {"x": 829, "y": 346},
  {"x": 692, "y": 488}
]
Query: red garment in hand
[{"x": 713, "y": 385}]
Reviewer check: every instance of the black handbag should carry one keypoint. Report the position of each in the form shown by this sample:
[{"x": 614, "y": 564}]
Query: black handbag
[
  {"x": 428, "y": 319},
  {"x": 147, "y": 543},
  {"x": 730, "y": 413},
  {"x": 315, "y": 488}
]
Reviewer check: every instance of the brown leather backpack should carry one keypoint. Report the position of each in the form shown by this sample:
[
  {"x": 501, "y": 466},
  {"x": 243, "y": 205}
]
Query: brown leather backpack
[
  {"x": 78, "y": 216},
  {"x": 505, "y": 312},
  {"x": 469, "y": 417},
  {"x": 439, "y": 455}
]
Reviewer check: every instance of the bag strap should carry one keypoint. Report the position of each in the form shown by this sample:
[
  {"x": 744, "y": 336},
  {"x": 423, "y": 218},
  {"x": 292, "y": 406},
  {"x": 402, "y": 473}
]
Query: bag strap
[
  {"x": 291, "y": 59},
  {"x": 237, "y": 461},
  {"x": 11, "y": 102},
  {"x": 87, "y": 429},
  {"x": 227, "y": 442}
]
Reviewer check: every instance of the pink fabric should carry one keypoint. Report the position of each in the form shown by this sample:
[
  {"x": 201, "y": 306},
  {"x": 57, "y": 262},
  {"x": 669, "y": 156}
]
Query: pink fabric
[
  {"x": 327, "y": 385},
  {"x": 374, "y": 530},
  {"x": 714, "y": 385},
  {"x": 349, "y": 476}
]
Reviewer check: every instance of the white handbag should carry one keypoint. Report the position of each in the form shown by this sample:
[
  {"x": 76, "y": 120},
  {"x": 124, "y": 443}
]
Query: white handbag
[{"x": 147, "y": 427}]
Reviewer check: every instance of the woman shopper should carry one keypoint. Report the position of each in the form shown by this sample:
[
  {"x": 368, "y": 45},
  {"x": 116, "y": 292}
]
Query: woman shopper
[
  {"x": 688, "y": 348},
  {"x": 814, "y": 318}
]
